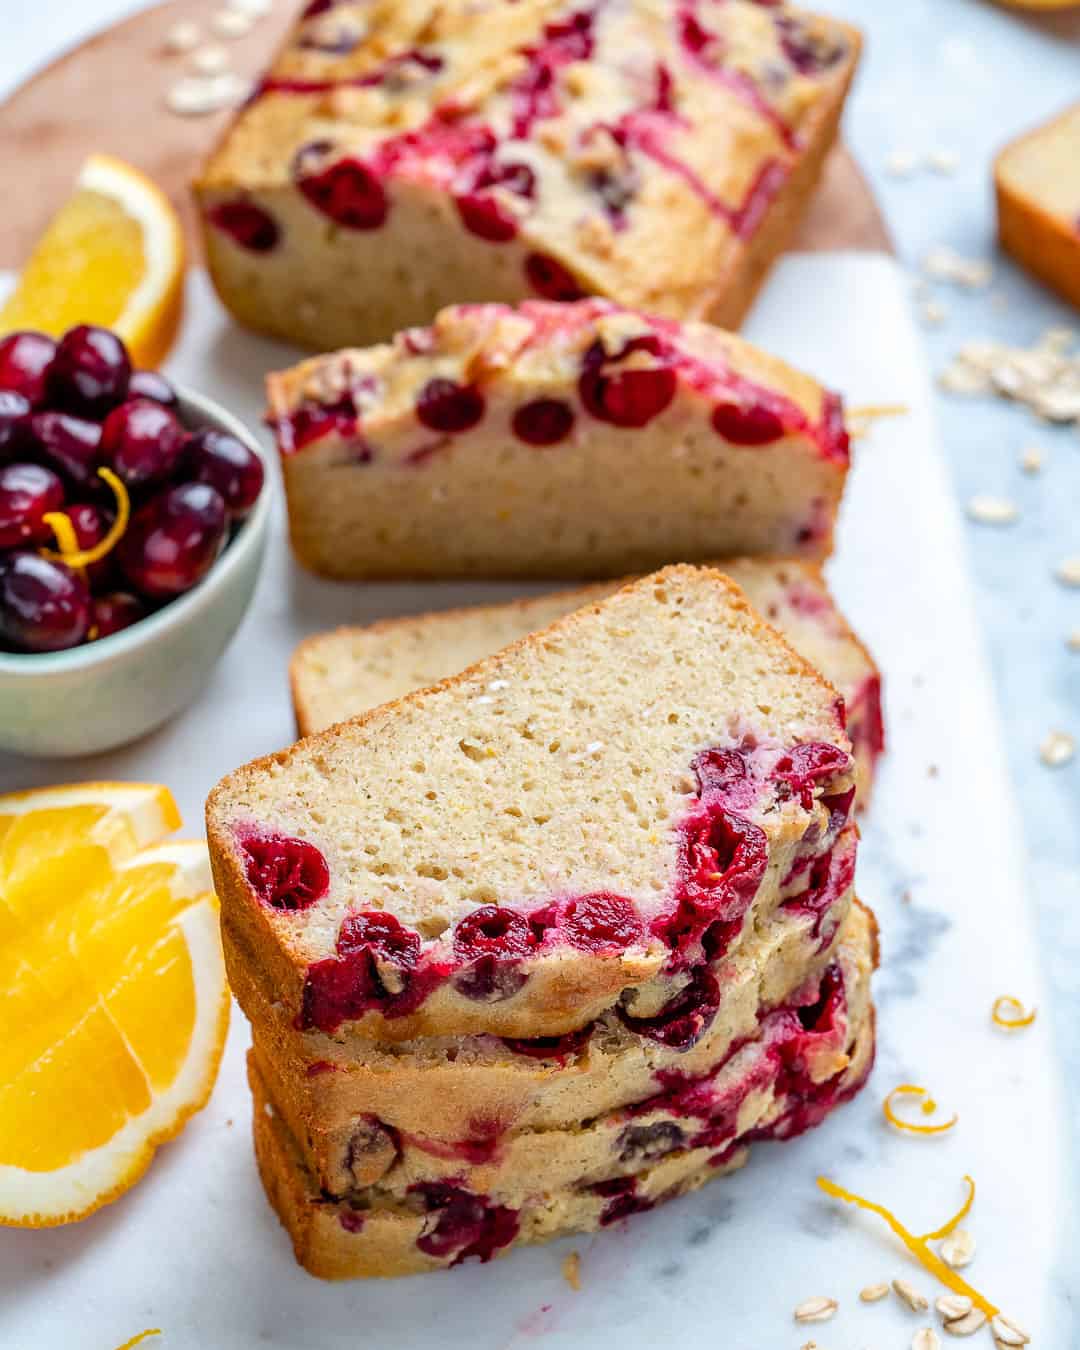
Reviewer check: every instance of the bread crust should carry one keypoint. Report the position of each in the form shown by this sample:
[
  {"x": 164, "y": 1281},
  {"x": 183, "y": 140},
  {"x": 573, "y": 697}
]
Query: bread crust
[{"x": 571, "y": 988}]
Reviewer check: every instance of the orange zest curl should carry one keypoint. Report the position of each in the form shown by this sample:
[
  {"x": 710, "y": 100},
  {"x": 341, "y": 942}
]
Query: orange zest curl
[
  {"x": 917, "y": 1243},
  {"x": 70, "y": 554},
  {"x": 929, "y": 1106},
  {"x": 1010, "y": 1013},
  {"x": 138, "y": 1340}
]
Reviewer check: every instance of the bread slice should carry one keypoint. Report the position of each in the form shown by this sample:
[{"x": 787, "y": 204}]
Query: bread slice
[
  {"x": 575, "y": 440},
  {"x": 574, "y": 821},
  {"x": 410, "y": 156},
  {"x": 338, "y": 674},
  {"x": 1037, "y": 184},
  {"x": 428, "y": 1212}
]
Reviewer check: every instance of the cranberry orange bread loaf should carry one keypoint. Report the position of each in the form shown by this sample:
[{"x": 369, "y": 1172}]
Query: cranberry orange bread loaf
[
  {"x": 1037, "y": 181},
  {"x": 431, "y": 1210},
  {"x": 398, "y": 158},
  {"x": 577, "y": 820},
  {"x": 338, "y": 674},
  {"x": 362, "y": 1110},
  {"x": 554, "y": 440}
]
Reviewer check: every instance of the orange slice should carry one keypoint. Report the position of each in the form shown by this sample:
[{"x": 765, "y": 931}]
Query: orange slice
[
  {"x": 113, "y": 999},
  {"x": 113, "y": 255}
]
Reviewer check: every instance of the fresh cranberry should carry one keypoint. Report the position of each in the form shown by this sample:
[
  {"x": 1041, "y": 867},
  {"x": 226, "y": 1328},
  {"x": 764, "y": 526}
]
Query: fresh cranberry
[
  {"x": 809, "y": 49},
  {"x": 824, "y": 1014},
  {"x": 173, "y": 541},
  {"x": 90, "y": 371},
  {"x": 444, "y": 405},
  {"x": 114, "y": 611},
  {"x": 550, "y": 1047},
  {"x": 149, "y": 384},
  {"x": 551, "y": 279},
  {"x": 28, "y": 492},
  {"x": 372, "y": 1150},
  {"x": 44, "y": 606},
  {"x": 382, "y": 933},
  {"x": 747, "y": 423},
  {"x": 492, "y": 940},
  {"x": 227, "y": 464},
  {"x": 352, "y": 1220},
  {"x": 25, "y": 358},
  {"x": 544, "y": 421},
  {"x": 142, "y": 443},
  {"x": 806, "y": 764},
  {"x": 68, "y": 444},
  {"x": 616, "y": 189},
  {"x": 718, "y": 771},
  {"x": 14, "y": 423},
  {"x": 313, "y": 421},
  {"x": 535, "y": 93},
  {"x": 462, "y": 1224},
  {"x": 685, "y": 1018},
  {"x": 830, "y": 877},
  {"x": 284, "y": 873},
  {"x": 349, "y": 192},
  {"x": 867, "y": 724},
  {"x": 602, "y": 924},
  {"x": 374, "y": 970},
  {"x": 622, "y": 1202},
  {"x": 247, "y": 225},
  {"x": 485, "y": 216},
  {"x": 316, "y": 7},
  {"x": 629, "y": 397},
  {"x": 641, "y": 1144},
  {"x": 91, "y": 524}
]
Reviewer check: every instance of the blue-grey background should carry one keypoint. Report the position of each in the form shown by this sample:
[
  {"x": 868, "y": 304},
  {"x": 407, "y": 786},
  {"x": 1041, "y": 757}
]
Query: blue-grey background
[{"x": 960, "y": 76}]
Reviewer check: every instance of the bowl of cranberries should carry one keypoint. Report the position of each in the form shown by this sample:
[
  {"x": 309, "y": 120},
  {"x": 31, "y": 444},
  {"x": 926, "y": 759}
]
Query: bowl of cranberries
[{"x": 133, "y": 521}]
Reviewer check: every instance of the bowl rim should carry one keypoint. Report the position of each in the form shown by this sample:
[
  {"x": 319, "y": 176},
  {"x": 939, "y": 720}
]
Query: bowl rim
[{"x": 196, "y": 411}]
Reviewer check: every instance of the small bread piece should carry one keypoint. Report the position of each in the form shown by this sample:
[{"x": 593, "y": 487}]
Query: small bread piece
[
  {"x": 1037, "y": 183},
  {"x": 398, "y": 158},
  {"x": 338, "y": 674},
  {"x": 576, "y": 440},
  {"x": 573, "y": 822},
  {"x": 428, "y": 1212}
]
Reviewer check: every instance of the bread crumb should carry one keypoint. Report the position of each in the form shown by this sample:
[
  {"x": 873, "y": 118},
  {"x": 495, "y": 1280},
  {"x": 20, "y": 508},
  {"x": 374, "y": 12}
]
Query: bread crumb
[{"x": 571, "y": 1270}]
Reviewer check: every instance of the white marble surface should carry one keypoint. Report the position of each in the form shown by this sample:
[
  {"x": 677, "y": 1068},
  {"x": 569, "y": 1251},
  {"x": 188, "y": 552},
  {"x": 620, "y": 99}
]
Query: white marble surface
[{"x": 194, "y": 1248}]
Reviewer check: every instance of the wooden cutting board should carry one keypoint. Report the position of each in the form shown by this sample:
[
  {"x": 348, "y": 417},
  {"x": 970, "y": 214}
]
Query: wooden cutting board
[{"x": 108, "y": 94}]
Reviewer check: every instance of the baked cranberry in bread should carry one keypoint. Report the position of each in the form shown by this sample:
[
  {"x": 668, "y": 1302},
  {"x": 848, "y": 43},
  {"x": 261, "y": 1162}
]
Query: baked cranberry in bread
[
  {"x": 559, "y": 440},
  {"x": 399, "y": 158}
]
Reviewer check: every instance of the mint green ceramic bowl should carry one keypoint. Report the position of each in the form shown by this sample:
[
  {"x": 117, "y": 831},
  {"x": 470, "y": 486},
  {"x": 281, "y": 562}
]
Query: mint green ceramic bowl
[{"x": 107, "y": 693}]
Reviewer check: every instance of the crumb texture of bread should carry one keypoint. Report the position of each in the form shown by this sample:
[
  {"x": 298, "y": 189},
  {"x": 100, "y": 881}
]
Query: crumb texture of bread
[
  {"x": 592, "y": 797},
  {"x": 338, "y": 674},
  {"x": 1037, "y": 184},
  {"x": 398, "y": 158},
  {"x": 554, "y": 440}
]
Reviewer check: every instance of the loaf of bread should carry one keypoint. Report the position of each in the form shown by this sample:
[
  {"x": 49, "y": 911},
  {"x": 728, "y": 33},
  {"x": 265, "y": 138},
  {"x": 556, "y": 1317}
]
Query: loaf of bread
[
  {"x": 554, "y": 440},
  {"x": 435, "y": 1207},
  {"x": 572, "y": 822},
  {"x": 1037, "y": 183},
  {"x": 398, "y": 158},
  {"x": 338, "y": 674}
]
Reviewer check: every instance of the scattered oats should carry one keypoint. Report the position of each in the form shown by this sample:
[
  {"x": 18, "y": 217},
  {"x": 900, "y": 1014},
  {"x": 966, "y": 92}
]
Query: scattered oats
[
  {"x": 1068, "y": 571},
  {"x": 910, "y": 1295},
  {"x": 816, "y": 1309},
  {"x": 873, "y": 1293},
  {"x": 232, "y": 23},
  {"x": 943, "y": 263},
  {"x": 1033, "y": 459},
  {"x": 1073, "y": 640},
  {"x": 1057, "y": 750},
  {"x": 939, "y": 263},
  {"x": 901, "y": 164},
  {"x": 943, "y": 161},
  {"x": 958, "y": 1248},
  {"x": 934, "y": 313},
  {"x": 198, "y": 95},
  {"x": 962, "y": 379},
  {"x": 1046, "y": 377},
  {"x": 987, "y": 510},
  {"x": 182, "y": 37},
  {"x": 968, "y": 1325},
  {"x": 209, "y": 61},
  {"x": 1006, "y": 1332},
  {"x": 571, "y": 1269},
  {"x": 926, "y": 1338},
  {"x": 952, "y": 1306},
  {"x": 1058, "y": 405}
]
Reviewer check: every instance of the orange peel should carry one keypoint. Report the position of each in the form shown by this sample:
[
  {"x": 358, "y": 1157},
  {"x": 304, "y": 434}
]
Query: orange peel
[
  {"x": 1010, "y": 1013},
  {"x": 916, "y": 1243},
  {"x": 70, "y": 553},
  {"x": 929, "y": 1106},
  {"x": 138, "y": 1340}
]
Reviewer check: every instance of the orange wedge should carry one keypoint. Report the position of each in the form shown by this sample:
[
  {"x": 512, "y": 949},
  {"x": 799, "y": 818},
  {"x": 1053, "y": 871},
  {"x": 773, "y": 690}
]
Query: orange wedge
[
  {"x": 113, "y": 999},
  {"x": 113, "y": 255}
]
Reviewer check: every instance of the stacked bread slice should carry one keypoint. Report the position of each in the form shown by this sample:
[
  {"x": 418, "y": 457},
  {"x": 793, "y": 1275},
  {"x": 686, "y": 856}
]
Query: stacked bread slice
[{"x": 536, "y": 947}]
